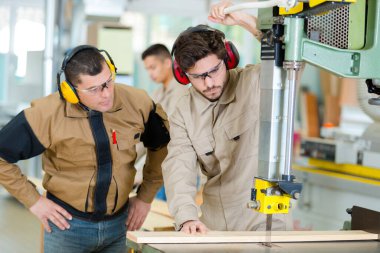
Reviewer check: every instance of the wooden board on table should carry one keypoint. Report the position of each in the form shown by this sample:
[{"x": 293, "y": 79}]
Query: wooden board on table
[
  {"x": 155, "y": 221},
  {"x": 38, "y": 183},
  {"x": 160, "y": 207},
  {"x": 249, "y": 236}
]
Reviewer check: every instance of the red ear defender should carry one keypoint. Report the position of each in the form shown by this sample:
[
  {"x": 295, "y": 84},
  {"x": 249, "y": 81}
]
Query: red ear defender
[
  {"x": 232, "y": 59},
  {"x": 179, "y": 74}
]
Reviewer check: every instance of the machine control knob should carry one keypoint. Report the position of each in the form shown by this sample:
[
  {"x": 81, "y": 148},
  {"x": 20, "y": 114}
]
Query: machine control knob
[{"x": 253, "y": 205}]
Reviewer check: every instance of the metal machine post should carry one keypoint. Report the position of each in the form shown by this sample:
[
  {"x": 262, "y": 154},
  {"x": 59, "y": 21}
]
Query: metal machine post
[
  {"x": 292, "y": 64},
  {"x": 275, "y": 186},
  {"x": 277, "y": 102}
]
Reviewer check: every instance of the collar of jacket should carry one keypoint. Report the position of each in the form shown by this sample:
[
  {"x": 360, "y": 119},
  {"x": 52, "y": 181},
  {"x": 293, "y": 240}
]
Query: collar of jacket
[
  {"x": 227, "y": 97},
  {"x": 76, "y": 111},
  {"x": 172, "y": 85}
]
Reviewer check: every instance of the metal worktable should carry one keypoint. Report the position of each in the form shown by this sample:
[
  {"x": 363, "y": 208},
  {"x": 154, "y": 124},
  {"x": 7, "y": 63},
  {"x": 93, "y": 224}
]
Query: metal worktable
[{"x": 309, "y": 247}]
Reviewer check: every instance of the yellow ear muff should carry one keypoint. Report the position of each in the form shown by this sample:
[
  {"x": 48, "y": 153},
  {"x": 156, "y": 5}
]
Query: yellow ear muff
[
  {"x": 69, "y": 93},
  {"x": 112, "y": 68}
]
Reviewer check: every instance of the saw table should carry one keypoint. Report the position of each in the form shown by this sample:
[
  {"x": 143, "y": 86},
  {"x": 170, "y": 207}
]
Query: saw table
[
  {"x": 241, "y": 242},
  {"x": 328, "y": 247}
]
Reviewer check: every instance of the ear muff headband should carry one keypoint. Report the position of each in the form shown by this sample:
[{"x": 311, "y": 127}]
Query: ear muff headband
[
  {"x": 111, "y": 64},
  {"x": 112, "y": 69},
  {"x": 65, "y": 88},
  {"x": 231, "y": 60}
]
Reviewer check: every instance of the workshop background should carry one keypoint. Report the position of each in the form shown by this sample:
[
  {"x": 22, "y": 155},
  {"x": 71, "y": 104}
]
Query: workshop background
[{"x": 336, "y": 141}]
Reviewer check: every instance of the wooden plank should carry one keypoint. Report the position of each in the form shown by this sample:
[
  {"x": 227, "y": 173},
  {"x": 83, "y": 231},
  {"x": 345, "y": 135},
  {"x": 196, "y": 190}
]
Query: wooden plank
[
  {"x": 249, "y": 236},
  {"x": 37, "y": 182},
  {"x": 160, "y": 207},
  {"x": 155, "y": 221}
]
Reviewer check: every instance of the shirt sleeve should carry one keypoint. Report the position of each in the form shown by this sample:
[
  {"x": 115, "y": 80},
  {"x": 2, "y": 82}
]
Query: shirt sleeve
[
  {"x": 180, "y": 172},
  {"x": 18, "y": 142},
  {"x": 152, "y": 171}
]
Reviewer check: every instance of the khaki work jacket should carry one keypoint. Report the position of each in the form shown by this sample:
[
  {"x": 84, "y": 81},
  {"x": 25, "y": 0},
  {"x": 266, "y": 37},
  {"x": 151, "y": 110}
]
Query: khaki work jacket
[
  {"x": 168, "y": 97},
  {"x": 222, "y": 137},
  {"x": 69, "y": 155}
]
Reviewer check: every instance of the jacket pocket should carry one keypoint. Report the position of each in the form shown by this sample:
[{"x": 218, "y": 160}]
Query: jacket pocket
[
  {"x": 69, "y": 158},
  {"x": 206, "y": 156},
  {"x": 128, "y": 139},
  {"x": 74, "y": 188},
  {"x": 242, "y": 135},
  {"x": 125, "y": 146}
]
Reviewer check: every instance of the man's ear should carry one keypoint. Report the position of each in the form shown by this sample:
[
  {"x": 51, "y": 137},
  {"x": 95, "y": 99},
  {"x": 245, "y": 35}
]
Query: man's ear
[{"x": 168, "y": 63}]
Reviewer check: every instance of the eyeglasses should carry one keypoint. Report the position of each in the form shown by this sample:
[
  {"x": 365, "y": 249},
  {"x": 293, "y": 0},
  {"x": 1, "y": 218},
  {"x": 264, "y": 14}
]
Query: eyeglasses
[
  {"x": 99, "y": 88},
  {"x": 211, "y": 73}
]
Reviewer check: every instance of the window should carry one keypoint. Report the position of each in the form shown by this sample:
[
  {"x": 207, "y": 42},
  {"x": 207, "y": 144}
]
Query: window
[
  {"x": 22, "y": 33},
  {"x": 4, "y": 29},
  {"x": 29, "y": 35},
  {"x": 4, "y": 48}
]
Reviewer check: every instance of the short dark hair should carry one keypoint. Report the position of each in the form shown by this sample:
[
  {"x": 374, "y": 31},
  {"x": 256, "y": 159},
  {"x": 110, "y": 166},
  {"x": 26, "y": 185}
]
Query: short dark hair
[
  {"x": 88, "y": 61},
  {"x": 195, "y": 43},
  {"x": 158, "y": 50}
]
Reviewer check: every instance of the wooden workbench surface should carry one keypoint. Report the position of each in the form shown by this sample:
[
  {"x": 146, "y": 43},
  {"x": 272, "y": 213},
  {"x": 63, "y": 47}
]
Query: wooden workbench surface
[{"x": 249, "y": 236}]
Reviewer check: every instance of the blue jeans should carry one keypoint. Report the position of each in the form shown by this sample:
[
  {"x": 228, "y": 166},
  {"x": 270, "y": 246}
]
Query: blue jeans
[{"x": 86, "y": 236}]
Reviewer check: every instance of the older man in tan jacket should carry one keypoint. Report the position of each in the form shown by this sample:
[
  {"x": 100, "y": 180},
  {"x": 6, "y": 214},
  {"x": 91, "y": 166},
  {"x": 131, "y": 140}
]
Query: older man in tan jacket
[
  {"x": 215, "y": 125},
  {"x": 86, "y": 134}
]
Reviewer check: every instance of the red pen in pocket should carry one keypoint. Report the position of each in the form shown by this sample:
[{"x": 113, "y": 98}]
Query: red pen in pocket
[{"x": 114, "y": 140}]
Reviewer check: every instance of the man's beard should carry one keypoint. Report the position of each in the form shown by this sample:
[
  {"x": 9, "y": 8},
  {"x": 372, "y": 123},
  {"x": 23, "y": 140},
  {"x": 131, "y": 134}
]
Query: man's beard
[{"x": 214, "y": 87}]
